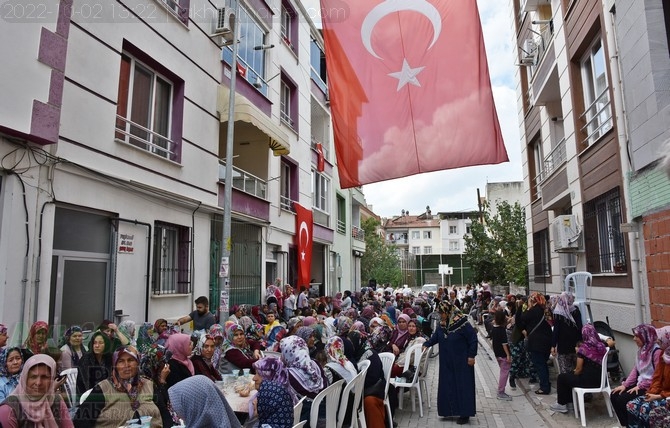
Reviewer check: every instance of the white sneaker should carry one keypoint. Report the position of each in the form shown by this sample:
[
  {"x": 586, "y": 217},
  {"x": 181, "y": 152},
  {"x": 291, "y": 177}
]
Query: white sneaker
[
  {"x": 503, "y": 396},
  {"x": 561, "y": 408}
]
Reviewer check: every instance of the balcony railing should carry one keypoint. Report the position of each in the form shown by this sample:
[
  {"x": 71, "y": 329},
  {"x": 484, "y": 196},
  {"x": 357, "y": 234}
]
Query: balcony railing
[
  {"x": 341, "y": 226},
  {"x": 244, "y": 181},
  {"x": 598, "y": 117},
  {"x": 357, "y": 233},
  {"x": 543, "y": 40},
  {"x": 552, "y": 162},
  {"x": 144, "y": 138},
  {"x": 286, "y": 203}
]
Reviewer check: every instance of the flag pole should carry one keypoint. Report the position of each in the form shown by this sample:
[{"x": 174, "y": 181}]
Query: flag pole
[{"x": 226, "y": 243}]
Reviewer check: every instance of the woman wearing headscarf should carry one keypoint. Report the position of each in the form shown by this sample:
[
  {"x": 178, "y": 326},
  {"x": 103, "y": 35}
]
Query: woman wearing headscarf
[
  {"x": 123, "y": 396},
  {"x": 11, "y": 364},
  {"x": 34, "y": 404},
  {"x": 391, "y": 313},
  {"x": 415, "y": 337},
  {"x": 587, "y": 371},
  {"x": 3, "y": 336},
  {"x": 373, "y": 390},
  {"x": 237, "y": 354},
  {"x": 199, "y": 403},
  {"x": 566, "y": 332},
  {"x": 639, "y": 379},
  {"x": 181, "y": 367},
  {"x": 96, "y": 364},
  {"x": 127, "y": 328},
  {"x": 338, "y": 365},
  {"x": 115, "y": 335},
  {"x": 161, "y": 331},
  {"x": 36, "y": 342},
  {"x": 342, "y": 330},
  {"x": 307, "y": 334},
  {"x": 457, "y": 341},
  {"x": 536, "y": 329},
  {"x": 145, "y": 337},
  {"x": 399, "y": 339},
  {"x": 305, "y": 376},
  {"x": 72, "y": 349},
  {"x": 153, "y": 365},
  {"x": 640, "y": 408},
  {"x": 367, "y": 314},
  {"x": 202, "y": 360},
  {"x": 274, "y": 400}
]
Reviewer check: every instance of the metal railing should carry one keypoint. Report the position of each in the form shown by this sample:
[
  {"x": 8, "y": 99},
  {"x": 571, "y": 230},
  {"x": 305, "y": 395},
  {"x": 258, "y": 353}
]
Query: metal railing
[
  {"x": 598, "y": 117},
  {"x": 341, "y": 226},
  {"x": 244, "y": 181},
  {"x": 286, "y": 203},
  {"x": 543, "y": 40},
  {"x": 144, "y": 138},
  {"x": 554, "y": 160},
  {"x": 357, "y": 233}
]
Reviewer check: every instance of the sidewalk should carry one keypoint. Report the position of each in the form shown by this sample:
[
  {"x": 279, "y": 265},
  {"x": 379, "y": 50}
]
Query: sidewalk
[{"x": 526, "y": 410}]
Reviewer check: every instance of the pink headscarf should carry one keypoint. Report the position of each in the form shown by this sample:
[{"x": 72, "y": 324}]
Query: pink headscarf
[
  {"x": 37, "y": 411},
  {"x": 180, "y": 346},
  {"x": 307, "y": 321},
  {"x": 663, "y": 334}
]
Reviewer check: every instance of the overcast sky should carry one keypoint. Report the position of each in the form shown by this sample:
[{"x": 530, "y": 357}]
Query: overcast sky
[{"x": 456, "y": 190}]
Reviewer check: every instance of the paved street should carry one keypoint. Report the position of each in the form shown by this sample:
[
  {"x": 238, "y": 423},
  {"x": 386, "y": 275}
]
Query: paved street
[{"x": 525, "y": 410}]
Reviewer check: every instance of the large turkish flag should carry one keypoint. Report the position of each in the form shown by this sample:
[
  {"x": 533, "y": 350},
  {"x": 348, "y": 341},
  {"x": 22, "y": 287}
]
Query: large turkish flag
[
  {"x": 303, "y": 240},
  {"x": 409, "y": 88}
]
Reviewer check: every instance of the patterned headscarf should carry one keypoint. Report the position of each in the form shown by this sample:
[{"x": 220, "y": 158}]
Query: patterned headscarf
[
  {"x": 368, "y": 312},
  {"x": 30, "y": 343},
  {"x": 538, "y": 298},
  {"x": 200, "y": 403},
  {"x": 338, "y": 361},
  {"x": 360, "y": 327},
  {"x": 305, "y": 333},
  {"x": 344, "y": 325},
  {"x": 180, "y": 346},
  {"x": 391, "y": 312},
  {"x": 275, "y": 406},
  {"x": 273, "y": 369},
  {"x": 308, "y": 321},
  {"x": 379, "y": 338},
  {"x": 216, "y": 330},
  {"x": 663, "y": 334},
  {"x": 564, "y": 306},
  {"x": 66, "y": 342},
  {"x": 37, "y": 410},
  {"x": 592, "y": 347},
  {"x": 144, "y": 337},
  {"x": 131, "y": 386},
  {"x": 4, "y": 354},
  {"x": 3, "y": 329},
  {"x": 127, "y": 327},
  {"x": 306, "y": 371},
  {"x": 647, "y": 334},
  {"x": 153, "y": 360},
  {"x": 201, "y": 343},
  {"x": 376, "y": 320}
]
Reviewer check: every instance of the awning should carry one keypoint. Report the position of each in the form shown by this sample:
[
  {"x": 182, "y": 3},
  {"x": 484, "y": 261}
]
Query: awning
[{"x": 247, "y": 112}]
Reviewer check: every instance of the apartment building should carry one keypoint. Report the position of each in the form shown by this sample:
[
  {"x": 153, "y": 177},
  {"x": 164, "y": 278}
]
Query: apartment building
[
  {"x": 113, "y": 132},
  {"x": 593, "y": 117}
]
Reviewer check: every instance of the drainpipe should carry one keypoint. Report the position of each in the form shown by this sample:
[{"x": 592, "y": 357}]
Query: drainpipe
[
  {"x": 24, "y": 275},
  {"x": 148, "y": 283},
  {"x": 609, "y": 10}
]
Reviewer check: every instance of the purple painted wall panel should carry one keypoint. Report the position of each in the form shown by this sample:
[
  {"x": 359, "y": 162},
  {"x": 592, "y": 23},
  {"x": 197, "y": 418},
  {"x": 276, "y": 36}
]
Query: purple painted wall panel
[
  {"x": 246, "y": 204},
  {"x": 247, "y": 90},
  {"x": 322, "y": 233}
]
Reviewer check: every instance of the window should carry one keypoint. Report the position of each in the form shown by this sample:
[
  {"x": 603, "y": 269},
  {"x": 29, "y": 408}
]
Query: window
[
  {"x": 342, "y": 215},
  {"x": 453, "y": 245},
  {"x": 416, "y": 234},
  {"x": 171, "y": 259},
  {"x": 453, "y": 230},
  {"x": 288, "y": 186},
  {"x": 289, "y": 25},
  {"x": 252, "y": 34},
  {"x": 598, "y": 111},
  {"x": 318, "y": 66},
  {"x": 148, "y": 110},
  {"x": 178, "y": 7},
  {"x": 538, "y": 158},
  {"x": 428, "y": 250},
  {"x": 541, "y": 254},
  {"x": 427, "y": 234},
  {"x": 605, "y": 243},
  {"x": 468, "y": 229},
  {"x": 320, "y": 191},
  {"x": 288, "y": 102},
  {"x": 416, "y": 250}
]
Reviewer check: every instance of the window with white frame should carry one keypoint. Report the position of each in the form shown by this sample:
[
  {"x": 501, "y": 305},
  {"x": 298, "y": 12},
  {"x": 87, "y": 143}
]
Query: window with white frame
[
  {"x": 453, "y": 230},
  {"x": 597, "y": 108},
  {"x": 604, "y": 241},
  {"x": 416, "y": 234},
  {"x": 171, "y": 259},
  {"x": 144, "y": 110},
  {"x": 287, "y": 185},
  {"x": 252, "y": 35},
  {"x": 453, "y": 246},
  {"x": 285, "y": 102},
  {"x": 320, "y": 191},
  {"x": 427, "y": 234},
  {"x": 289, "y": 25},
  {"x": 428, "y": 249},
  {"x": 286, "y": 21},
  {"x": 416, "y": 250}
]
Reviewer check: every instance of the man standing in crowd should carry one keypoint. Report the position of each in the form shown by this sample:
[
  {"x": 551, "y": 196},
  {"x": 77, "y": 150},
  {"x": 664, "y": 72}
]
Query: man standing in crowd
[{"x": 201, "y": 317}]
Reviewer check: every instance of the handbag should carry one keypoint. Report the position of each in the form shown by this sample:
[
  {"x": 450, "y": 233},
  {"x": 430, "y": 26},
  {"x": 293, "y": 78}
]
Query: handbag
[{"x": 525, "y": 340}]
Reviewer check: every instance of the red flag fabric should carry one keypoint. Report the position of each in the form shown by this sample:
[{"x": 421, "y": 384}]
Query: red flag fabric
[
  {"x": 321, "y": 161},
  {"x": 241, "y": 70},
  {"x": 303, "y": 240},
  {"x": 409, "y": 88}
]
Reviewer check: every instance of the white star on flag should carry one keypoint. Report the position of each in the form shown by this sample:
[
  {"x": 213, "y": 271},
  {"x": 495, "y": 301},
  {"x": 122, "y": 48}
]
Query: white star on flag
[{"x": 407, "y": 75}]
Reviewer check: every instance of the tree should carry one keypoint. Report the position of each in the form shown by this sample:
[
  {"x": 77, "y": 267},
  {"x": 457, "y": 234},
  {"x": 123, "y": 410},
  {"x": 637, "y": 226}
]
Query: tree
[
  {"x": 496, "y": 250},
  {"x": 380, "y": 261}
]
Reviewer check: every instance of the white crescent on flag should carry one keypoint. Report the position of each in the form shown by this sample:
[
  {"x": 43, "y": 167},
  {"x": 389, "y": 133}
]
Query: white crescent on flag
[{"x": 303, "y": 228}]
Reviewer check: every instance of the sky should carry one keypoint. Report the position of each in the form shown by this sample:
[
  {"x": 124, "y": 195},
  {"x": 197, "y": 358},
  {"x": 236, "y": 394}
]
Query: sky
[{"x": 456, "y": 189}]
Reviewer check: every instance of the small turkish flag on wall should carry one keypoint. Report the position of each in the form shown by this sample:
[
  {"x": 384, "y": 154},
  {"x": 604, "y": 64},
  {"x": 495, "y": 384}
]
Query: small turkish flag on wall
[
  {"x": 320, "y": 161},
  {"x": 409, "y": 88},
  {"x": 242, "y": 70},
  {"x": 303, "y": 240}
]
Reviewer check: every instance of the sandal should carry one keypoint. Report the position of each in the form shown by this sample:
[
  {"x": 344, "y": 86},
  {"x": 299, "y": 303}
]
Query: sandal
[{"x": 540, "y": 392}]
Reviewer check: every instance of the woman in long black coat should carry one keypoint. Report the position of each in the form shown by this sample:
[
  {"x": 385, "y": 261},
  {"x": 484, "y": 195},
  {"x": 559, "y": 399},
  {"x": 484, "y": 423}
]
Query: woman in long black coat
[{"x": 457, "y": 340}]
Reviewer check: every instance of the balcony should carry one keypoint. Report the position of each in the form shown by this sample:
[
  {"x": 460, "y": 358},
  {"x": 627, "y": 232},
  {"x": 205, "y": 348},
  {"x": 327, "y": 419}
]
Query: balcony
[
  {"x": 144, "y": 138},
  {"x": 598, "y": 117},
  {"x": 530, "y": 5},
  {"x": 552, "y": 162},
  {"x": 357, "y": 233},
  {"x": 244, "y": 181},
  {"x": 544, "y": 84}
]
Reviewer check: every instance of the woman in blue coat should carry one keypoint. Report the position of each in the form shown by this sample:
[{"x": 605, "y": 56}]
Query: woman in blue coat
[{"x": 457, "y": 340}]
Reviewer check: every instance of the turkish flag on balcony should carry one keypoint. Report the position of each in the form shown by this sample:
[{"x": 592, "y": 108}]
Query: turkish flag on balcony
[
  {"x": 320, "y": 161},
  {"x": 303, "y": 240},
  {"x": 241, "y": 70},
  {"x": 409, "y": 88}
]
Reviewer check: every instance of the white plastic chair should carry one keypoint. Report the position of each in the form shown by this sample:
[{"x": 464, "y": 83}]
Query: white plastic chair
[
  {"x": 71, "y": 385},
  {"x": 362, "y": 367},
  {"x": 332, "y": 397},
  {"x": 412, "y": 356},
  {"x": 297, "y": 411},
  {"x": 423, "y": 375},
  {"x": 604, "y": 388},
  {"x": 84, "y": 396},
  {"x": 300, "y": 424},
  {"x": 387, "y": 359},
  {"x": 354, "y": 386}
]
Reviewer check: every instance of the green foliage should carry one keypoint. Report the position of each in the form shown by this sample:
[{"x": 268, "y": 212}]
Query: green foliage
[
  {"x": 380, "y": 260},
  {"x": 496, "y": 250}
]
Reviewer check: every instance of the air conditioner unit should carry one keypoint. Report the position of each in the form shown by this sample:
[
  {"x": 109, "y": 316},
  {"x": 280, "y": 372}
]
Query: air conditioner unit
[
  {"x": 224, "y": 24},
  {"x": 567, "y": 234},
  {"x": 529, "y": 52}
]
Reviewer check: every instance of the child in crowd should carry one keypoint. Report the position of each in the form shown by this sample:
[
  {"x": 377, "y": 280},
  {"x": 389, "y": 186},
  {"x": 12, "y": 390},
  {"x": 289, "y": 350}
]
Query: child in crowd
[{"x": 502, "y": 351}]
